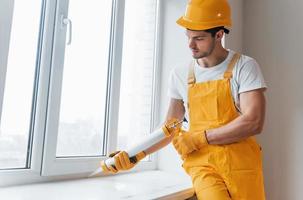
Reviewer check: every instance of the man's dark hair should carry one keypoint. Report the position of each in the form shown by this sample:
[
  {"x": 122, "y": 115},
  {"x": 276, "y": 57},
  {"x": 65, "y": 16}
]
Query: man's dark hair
[{"x": 213, "y": 31}]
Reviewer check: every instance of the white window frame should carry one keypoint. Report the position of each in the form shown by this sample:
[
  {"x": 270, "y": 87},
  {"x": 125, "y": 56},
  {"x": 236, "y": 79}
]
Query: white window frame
[
  {"x": 44, "y": 163},
  {"x": 32, "y": 174},
  {"x": 71, "y": 165}
]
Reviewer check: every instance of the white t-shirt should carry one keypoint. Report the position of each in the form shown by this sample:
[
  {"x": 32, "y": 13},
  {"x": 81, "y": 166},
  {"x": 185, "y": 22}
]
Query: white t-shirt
[{"x": 247, "y": 76}]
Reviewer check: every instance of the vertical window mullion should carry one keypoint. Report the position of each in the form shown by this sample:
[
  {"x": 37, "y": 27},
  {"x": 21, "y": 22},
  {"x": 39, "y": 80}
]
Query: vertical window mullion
[
  {"x": 36, "y": 85},
  {"x": 155, "y": 108},
  {"x": 46, "y": 37},
  {"x": 157, "y": 70},
  {"x": 56, "y": 74}
]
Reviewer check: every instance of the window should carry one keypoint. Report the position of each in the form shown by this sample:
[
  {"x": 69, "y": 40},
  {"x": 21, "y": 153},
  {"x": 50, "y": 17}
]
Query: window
[
  {"x": 83, "y": 96},
  {"x": 136, "y": 91},
  {"x": 17, "y": 80},
  {"x": 76, "y": 83}
]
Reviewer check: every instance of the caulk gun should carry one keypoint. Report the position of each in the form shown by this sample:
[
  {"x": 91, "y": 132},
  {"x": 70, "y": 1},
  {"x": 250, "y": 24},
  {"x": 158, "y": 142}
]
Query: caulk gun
[{"x": 168, "y": 129}]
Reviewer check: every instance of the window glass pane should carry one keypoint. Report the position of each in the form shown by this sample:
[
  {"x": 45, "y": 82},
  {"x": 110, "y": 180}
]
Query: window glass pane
[
  {"x": 83, "y": 97},
  {"x": 18, "y": 91},
  {"x": 137, "y": 72}
]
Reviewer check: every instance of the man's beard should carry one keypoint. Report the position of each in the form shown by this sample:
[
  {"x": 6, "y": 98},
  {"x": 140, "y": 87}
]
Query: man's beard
[
  {"x": 201, "y": 55},
  {"x": 205, "y": 53}
]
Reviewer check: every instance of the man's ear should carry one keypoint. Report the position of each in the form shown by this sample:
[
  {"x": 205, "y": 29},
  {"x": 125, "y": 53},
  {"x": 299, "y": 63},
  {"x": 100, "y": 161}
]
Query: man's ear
[{"x": 219, "y": 34}]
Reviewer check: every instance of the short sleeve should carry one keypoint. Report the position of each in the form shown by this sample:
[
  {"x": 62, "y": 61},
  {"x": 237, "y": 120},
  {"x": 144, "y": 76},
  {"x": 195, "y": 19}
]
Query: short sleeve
[
  {"x": 173, "y": 91},
  {"x": 250, "y": 77}
]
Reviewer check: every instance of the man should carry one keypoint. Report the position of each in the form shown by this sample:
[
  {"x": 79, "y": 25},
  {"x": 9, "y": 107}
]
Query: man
[{"x": 221, "y": 95}]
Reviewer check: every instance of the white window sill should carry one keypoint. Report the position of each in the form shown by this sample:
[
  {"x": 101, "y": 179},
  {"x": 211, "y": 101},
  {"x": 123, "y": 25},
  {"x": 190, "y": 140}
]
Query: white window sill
[{"x": 132, "y": 186}]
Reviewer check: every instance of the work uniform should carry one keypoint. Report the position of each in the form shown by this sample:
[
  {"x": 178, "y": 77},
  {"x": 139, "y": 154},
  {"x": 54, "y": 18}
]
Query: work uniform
[{"x": 220, "y": 172}]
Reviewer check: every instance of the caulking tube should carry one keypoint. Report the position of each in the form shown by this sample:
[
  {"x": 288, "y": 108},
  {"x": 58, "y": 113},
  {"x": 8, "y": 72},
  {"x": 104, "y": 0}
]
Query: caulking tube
[{"x": 152, "y": 139}]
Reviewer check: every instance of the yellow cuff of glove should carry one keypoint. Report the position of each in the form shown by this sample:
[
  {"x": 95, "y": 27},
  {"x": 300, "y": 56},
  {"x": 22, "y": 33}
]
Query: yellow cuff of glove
[
  {"x": 122, "y": 161},
  {"x": 188, "y": 142}
]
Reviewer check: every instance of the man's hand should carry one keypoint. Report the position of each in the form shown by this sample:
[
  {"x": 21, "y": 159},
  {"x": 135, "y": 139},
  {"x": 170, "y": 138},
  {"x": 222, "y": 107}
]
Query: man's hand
[
  {"x": 187, "y": 142},
  {"x": 123, "y": 162}
]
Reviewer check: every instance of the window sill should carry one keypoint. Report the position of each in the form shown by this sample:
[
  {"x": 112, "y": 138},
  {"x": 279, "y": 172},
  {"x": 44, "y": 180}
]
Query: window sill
[{"x": 132, "y": 186}]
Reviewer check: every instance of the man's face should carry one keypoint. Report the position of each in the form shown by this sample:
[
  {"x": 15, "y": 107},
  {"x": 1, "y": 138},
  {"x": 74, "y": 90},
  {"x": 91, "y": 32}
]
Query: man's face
[{"x": 200, "y": 43}]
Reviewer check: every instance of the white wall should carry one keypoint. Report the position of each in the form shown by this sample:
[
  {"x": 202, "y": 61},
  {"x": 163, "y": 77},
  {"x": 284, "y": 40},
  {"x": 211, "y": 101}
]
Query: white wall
[
  {"x": 272, "y": 34},
  {"x": 175, "y": 52},
  {"x": 234, "y": 40}
]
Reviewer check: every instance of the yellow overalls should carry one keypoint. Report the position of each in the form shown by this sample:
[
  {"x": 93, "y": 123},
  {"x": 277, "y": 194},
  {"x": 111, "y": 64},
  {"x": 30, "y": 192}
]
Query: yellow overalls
[{"x": 221, "y": 172}]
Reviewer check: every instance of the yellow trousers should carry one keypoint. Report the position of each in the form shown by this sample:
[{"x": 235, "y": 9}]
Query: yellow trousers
[{"x": 227, "y": 172}]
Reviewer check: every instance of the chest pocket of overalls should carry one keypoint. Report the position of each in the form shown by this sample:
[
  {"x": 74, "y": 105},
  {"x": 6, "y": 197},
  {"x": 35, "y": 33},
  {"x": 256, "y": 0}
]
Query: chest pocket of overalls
[{"x": 205, "y": 102}]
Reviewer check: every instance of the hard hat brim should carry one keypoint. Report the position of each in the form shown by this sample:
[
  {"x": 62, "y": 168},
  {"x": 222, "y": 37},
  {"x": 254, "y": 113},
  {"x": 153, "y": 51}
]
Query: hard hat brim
[{"x": 188, "y": 24}]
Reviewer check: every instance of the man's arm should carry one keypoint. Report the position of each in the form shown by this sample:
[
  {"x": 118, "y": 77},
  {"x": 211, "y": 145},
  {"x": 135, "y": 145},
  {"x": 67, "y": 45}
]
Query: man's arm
[
  {"x": 250, "y": 122},
  {"x": 176, "y": 110}
]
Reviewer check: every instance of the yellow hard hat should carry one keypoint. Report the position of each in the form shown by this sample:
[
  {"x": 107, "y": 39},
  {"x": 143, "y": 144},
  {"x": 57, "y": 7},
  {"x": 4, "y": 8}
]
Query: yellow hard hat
[{"x": 206, "y": 14}]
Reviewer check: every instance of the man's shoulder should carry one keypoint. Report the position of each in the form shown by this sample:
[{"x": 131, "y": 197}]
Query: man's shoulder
[
  {"x": 245, "y": 58},
  {"x": 245, "y": 61}
]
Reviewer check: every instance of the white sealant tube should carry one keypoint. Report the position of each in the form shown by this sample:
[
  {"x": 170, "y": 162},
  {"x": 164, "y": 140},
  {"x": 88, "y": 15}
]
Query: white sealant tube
[
  {"x": 150, "y": 140},
  {"x": 155, "y": 137}
]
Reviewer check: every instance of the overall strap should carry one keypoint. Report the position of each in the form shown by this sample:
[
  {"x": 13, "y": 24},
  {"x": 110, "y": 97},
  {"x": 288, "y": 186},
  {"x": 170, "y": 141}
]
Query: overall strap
[
  {"x": 229, "y": 71},
  {"x": 191, "y": 74}
]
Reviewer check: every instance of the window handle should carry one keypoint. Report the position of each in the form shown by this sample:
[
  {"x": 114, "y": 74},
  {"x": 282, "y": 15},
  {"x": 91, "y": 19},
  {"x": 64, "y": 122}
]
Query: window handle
[{"x": 67, "y": 22}]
